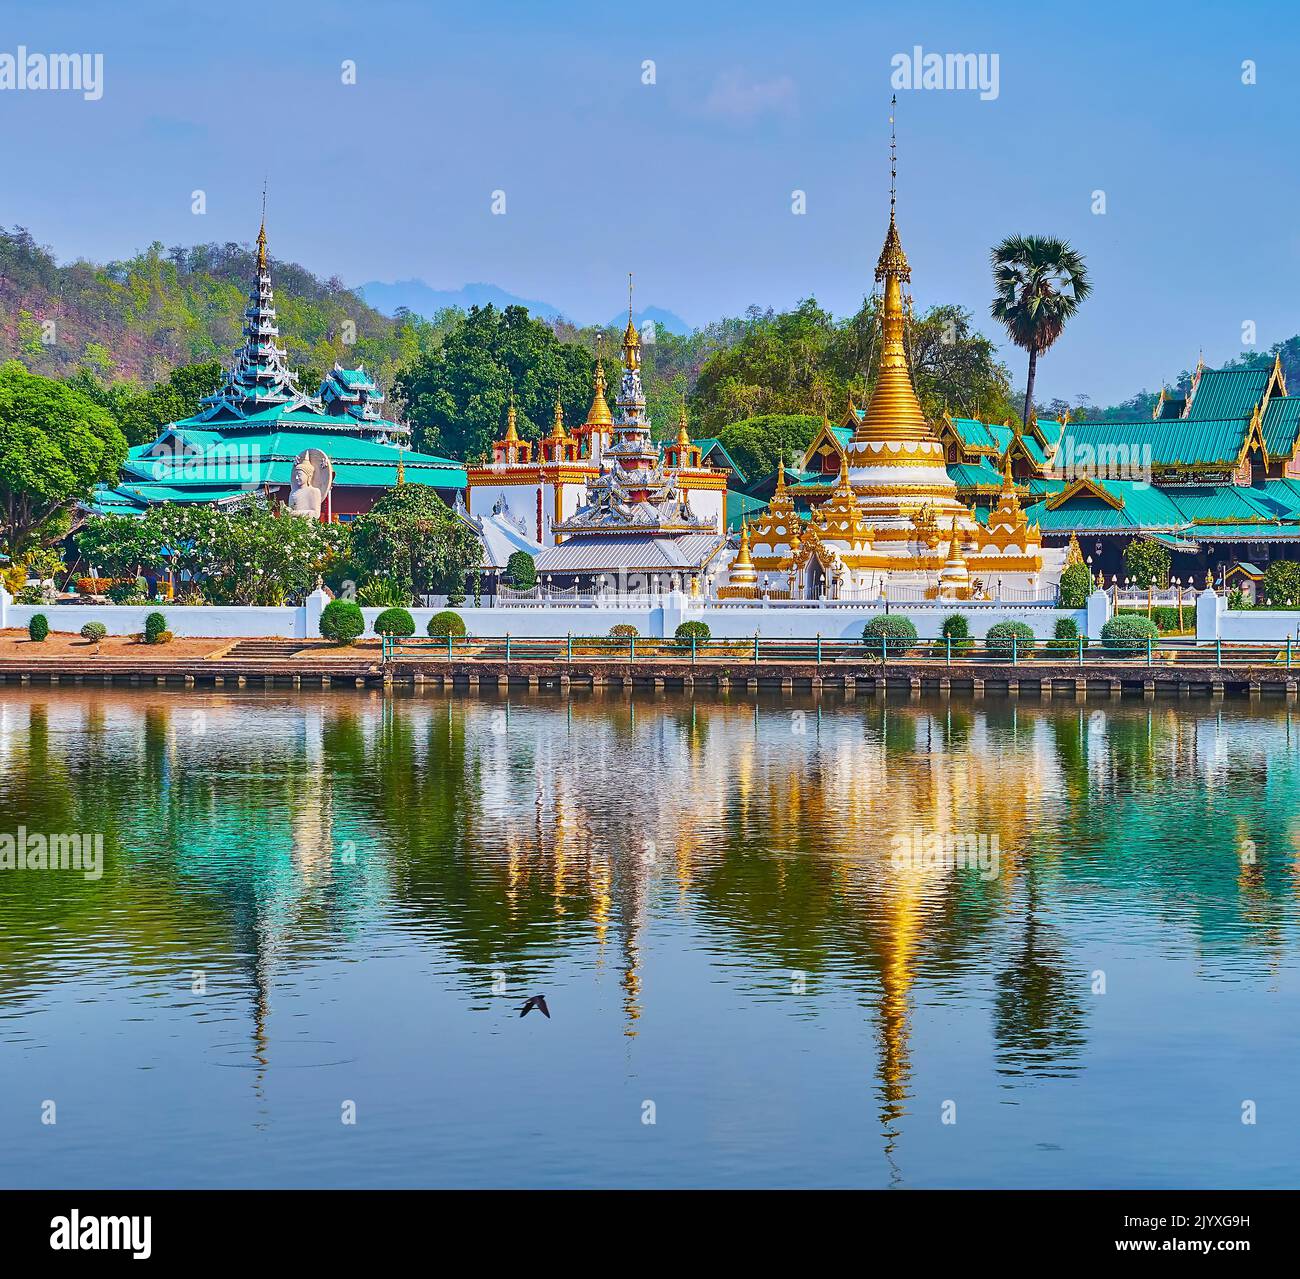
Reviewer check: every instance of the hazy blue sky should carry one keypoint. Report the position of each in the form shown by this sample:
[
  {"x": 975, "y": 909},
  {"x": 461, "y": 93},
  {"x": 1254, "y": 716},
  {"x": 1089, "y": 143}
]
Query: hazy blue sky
[{"x": 688, "y": 182}]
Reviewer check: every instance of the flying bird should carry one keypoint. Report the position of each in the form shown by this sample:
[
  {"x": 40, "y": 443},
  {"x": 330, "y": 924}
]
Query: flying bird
[{"x": 537, "y": 1001}]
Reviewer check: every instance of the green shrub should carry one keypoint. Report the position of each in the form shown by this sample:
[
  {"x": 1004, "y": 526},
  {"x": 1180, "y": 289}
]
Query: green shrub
[
  {"x": 1127, "y": 635},
  {"x": 394, "y": 621},
  {"x": 1065, "y": 637},
  {"x": 624, "y": 630},
  {"x": 1075, "y": 586},
  {"x": 446, "y": 623},
  {"x": 38, "y": 628},
  {"x": 34, "y": 595},
  {"x": 133, "y": 592},
  {"x": 1165, "y": 616},
  {"x": 342, "y": 622},
  {"x": 1237, "y": 599},
  {"x": 1007, "y": 638},
  {"x": 154, "y": 626},
  {"x": 956, "y": 629},
  {"x": 521, "y": 571},
  {"x": 692, "y": 630},
  {"x": 899, "y": 633},
  {"x": 94, "y": 631},
  {"x": 382, "y": 592}
]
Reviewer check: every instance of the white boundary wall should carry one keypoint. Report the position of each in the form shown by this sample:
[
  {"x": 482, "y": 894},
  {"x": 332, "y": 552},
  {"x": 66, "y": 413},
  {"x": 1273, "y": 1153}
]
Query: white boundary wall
[{"x": 655, "y": 617}]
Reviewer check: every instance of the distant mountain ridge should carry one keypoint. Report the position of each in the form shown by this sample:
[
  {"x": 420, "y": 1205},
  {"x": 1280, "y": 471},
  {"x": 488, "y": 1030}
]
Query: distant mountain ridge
[{"x": 425, "y": 300}]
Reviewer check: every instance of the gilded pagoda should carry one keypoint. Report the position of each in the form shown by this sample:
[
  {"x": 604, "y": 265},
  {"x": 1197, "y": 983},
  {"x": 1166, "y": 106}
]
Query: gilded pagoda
[{"x": 893, "y": 520}]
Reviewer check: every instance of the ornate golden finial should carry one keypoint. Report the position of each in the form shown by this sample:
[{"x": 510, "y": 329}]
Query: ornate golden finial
[
  {"x": 599, "y": 415},
  {"x": 512, "y": 433},
  {"x": 1074, "y": 555},
  {"x": 683, "y": 438},
  {"x": 1007, "y": 482},
  {"x": 893, "y": 157},
  {"x": 780, "y": 473},
  {"x": 631, "y": 338},
  {"x": 557, "y": 428},
  {"x": 261, "y": 236},
  {"x": 893, "y": 413},
  {"x": 401, "y": 466}
]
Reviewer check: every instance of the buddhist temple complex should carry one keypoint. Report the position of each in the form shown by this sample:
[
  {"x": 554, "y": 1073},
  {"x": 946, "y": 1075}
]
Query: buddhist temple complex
[
  {"x": 248, "y": 433},
  {"x": 884, "y": 514}
]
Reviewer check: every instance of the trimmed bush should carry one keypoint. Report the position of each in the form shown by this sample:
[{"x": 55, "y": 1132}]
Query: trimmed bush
[
  {"x": 957, "y": 629},
  {"x": 394, "y": 621},
  {"x": 1075, "y": 586},
  {"x": 1006, "y": 638},
  {"x": 624, "y": 630},
  {"x": 1127, "y": 635},
  {"x": 446, "y": 623},
  {"x": 342, "y": 622},
  {"x": 154, "y": 626},
  {"x": 38, "y": 628},
  {"x": 382, "y": 592},
  {"x": 693, "y": 630},
  {"x": 1066, "y": 637},
  {"x": 898, "y": 631},
  {"x": 94, "y": 631},
  {"x": 521, "y": 571}
]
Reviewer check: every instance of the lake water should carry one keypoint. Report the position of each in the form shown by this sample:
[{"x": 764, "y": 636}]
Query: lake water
[{"x": 327, "y": 907}]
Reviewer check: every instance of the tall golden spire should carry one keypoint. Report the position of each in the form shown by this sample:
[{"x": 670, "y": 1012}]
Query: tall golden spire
[
  {"x": 894, "y": 412},
  {"x": 557, "y": 426},
  {"x": 599, "y": 414},
  {"x": 512, "y": 431},
  {"x": 261, "y": 237},
  {"x": 631, "y": 338},
  {"x": 683, "y": 436}
]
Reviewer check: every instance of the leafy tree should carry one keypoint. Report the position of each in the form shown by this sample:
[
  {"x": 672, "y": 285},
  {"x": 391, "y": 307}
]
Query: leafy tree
[
  {"x": 805, "y": 362},
  {"x": 1282, "y": 582},
  {"x": 521, "y": 571},
  {"x": 412, "y": 537},
  {"x": 1146, "y": 562},
  {"x": 141, "y": 414},
  {"x": 264, "y": 555},
  {"x": 1075, "y": 586},
  {"x": 55, "y": 445},
  {"x": 458, "y": 393},
  {"x": 757, "y": 443},
  {"x": 119, "y": 545},
  {"x": 1039, "y": 283}
]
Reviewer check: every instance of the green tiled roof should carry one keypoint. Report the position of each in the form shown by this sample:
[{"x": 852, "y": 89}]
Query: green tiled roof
[
  {"x": 1281, "y": 422},
  {"x": 741, "y": 506},
  {"x": 980, "y": 474},
  {"x": 1246, "y": 533},
  {"x": 1228, "y": 393},
  {"x": 711, "y": 444},
  {"x": 1168, "y": 444}
]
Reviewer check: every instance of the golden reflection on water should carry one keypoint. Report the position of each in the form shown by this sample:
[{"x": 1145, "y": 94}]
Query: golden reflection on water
[{"x": 262, "y": 827}]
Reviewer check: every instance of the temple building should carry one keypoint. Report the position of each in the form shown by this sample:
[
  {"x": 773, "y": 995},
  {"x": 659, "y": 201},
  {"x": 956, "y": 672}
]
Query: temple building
[
  {"x": 884, "y": 514},
  {"x": 247, "y": 435},
  {"x": 548, "y": 482},
  {"x": 651, "y": 517}
]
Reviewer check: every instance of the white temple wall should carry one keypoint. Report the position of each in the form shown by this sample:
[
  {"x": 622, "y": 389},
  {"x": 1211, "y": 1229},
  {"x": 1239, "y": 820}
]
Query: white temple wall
[{"x": 655, "y": 617}]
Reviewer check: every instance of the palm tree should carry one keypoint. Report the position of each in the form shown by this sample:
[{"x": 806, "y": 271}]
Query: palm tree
[{"x": 1040, "y": 282}]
